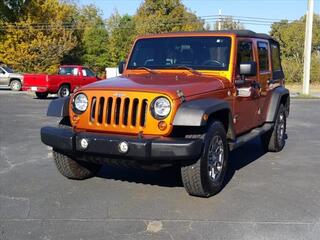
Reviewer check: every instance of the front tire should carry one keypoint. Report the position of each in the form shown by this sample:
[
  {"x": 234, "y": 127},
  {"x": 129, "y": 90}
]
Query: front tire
[
  {"x": 73, "y": 169},
  {"x": 15, "y": 85},
  {"x": 206, "y": 176},
  {"x": 42, "y": 95},
  {"x": 274, "y": 140},
  {"x": 70, "y": 167}
]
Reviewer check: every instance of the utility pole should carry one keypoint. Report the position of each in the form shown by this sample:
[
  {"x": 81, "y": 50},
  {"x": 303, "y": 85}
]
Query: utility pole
[
  {"x": 220, "y": 20},
  {"x": 307, "y": 48}
]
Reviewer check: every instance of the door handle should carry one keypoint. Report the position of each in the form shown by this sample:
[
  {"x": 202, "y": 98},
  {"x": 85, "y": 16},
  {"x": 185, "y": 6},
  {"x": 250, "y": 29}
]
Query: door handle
[
  {"x": 270, "y": 81},
  {"x": 256, "y": 85}
]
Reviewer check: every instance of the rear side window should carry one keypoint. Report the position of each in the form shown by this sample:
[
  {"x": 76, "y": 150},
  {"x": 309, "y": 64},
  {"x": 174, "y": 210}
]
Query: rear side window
[
  {"x": 68, "y": 71},
  {"x": 275, "y": 56},
  {"x": 87, "y": 72},
  {"x": 263, "y": 56}
]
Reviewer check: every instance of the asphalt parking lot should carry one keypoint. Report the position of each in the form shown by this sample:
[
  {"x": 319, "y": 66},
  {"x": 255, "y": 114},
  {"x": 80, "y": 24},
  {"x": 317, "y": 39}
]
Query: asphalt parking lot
[{"x": 268, "y": 196}]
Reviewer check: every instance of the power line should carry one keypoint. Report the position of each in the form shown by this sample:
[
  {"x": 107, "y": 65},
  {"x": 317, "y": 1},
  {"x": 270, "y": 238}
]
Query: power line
[{"x": 180, "y": 21}]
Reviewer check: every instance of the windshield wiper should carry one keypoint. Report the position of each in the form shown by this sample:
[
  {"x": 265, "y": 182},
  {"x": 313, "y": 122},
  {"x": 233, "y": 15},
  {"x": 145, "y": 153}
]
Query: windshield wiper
[
  {"x": 190, "y": 69},
  {"x": 148, "y": 69}
]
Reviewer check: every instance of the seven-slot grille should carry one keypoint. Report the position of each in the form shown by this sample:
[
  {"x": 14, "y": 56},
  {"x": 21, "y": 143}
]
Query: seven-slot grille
[{"x": 118, "y": 112}]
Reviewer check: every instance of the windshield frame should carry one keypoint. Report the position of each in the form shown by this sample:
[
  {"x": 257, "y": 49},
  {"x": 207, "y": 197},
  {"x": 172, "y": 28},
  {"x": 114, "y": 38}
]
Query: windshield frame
[{"x": 226, "y": 68}]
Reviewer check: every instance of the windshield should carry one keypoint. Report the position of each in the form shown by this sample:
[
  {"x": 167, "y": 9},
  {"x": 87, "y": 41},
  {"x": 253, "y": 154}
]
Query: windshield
[
  {"x": 203, "y": 53},
  {"x": 8, "y": 70}
]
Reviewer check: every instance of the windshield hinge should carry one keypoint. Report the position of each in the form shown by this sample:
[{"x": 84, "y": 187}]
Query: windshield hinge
[{"x": 180, "y": 94}]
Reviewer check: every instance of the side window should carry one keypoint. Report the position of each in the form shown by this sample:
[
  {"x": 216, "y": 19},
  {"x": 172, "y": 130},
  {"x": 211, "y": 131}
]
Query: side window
[
  {"x": 245, "y": 53},
  {"x": 263, "y": 56},
  {"x": 87, "y": 72},
  {"x": 75, "y": 72},
  {"x": 68, "y": 71},
  {"x": 2, "y": 71},
  {"x": 275, "y": 55}
]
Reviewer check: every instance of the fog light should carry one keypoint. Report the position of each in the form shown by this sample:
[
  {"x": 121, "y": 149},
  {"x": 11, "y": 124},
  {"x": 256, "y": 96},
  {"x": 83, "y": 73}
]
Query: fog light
[
  {"x": 84, "y": 143},
  {"x": 123, "y": 147}
]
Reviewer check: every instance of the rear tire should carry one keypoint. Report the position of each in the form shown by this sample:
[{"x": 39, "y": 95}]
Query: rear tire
[
  {"x": 64, "y": 91},
  {"x": 206, "y": 177},
  {"x": 274, "y": 140},
  {"x": 42, "y": 95},
  {"x": 15, "y": 85}
]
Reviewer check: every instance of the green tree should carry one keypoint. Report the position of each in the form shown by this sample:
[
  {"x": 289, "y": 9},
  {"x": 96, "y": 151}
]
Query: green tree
[
  {"x": 94, "y": 38},
  {"x": 11, "y": 10},
  {"x": 157, "y": 16},
  {"x": 228, "y": 23},
  {"x": 291, "y": 38},
  {"x": 121, "y": 35}
]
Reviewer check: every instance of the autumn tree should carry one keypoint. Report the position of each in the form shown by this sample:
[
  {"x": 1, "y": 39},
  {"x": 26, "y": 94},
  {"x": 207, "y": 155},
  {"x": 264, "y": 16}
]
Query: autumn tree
[
  {"x": 41, "y": 38},
  {"x": 157, "y": 16}
]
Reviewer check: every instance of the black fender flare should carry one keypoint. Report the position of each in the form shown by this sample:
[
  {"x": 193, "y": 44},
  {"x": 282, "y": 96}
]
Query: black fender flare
[
  {"x": 192, "y": 113},
  {"x": 59, "y": 107},
  {"x": 276, "y": 98}
]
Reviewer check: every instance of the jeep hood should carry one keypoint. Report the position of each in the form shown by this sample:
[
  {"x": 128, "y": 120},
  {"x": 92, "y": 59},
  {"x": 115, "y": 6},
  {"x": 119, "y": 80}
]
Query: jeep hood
[{"x": 167, "y": 84}]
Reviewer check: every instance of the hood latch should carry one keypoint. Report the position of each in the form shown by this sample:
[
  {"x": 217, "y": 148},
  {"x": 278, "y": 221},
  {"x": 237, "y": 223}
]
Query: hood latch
[{"x": 180, "y": 94}]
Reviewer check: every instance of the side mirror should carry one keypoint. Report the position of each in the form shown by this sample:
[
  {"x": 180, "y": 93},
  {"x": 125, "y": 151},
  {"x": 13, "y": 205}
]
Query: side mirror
[
  {"x": 246, "y": 69},
  {"x": 121, "y": 66}
]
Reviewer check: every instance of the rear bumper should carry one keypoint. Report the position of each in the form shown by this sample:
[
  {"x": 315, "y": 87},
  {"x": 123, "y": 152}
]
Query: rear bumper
[
  {"x": 35, "y": 88},
  {"x": 153, "y": 149}
]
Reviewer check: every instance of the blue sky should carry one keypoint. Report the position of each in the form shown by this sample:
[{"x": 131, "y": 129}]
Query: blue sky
[{"x": 273, "y": 9}]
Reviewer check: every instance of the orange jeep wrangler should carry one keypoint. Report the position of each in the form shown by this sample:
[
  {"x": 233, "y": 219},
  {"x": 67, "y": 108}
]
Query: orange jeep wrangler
[{"x": 183, "y": 99}]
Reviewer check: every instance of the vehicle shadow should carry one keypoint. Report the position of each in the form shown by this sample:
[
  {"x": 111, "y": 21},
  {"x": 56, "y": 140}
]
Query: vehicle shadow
[
  {"x": 171, "y": 177},
  {"x": 49, "y": 98}
]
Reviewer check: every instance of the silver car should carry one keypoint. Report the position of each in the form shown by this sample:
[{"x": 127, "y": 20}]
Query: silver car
[{"x": 9, "y": 78}]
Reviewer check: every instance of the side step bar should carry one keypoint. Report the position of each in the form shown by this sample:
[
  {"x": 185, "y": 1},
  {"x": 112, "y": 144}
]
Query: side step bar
[{"x": 250, "y": 135}]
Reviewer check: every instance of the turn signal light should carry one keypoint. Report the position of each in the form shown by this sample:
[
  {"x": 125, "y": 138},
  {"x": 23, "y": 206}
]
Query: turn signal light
[{"x": 162, "y": 125}]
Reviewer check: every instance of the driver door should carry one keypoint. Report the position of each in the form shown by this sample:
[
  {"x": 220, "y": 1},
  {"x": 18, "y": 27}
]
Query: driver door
[{"x": 246, "y": 101}]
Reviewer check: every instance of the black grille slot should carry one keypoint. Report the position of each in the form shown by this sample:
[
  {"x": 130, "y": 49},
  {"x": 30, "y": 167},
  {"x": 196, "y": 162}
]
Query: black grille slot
[
  {"x": 143, "y": 113},
  {"x": 134, "y": 112},
  {"x": 109, "y": 110},
  {"x": 117, "y": 111},
  {"x": 93, "y": 109},
  {"x": 126, "y": 111},
  {"x": 100, "y": 109}
]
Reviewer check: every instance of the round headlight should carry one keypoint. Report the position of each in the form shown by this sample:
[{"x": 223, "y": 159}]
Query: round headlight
[
  {"x": 161, "y": 108},
  {"x": 80, "y": 102}
]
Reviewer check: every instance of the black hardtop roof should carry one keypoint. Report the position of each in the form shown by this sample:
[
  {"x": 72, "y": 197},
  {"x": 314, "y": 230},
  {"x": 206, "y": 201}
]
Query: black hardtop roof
[
  {"x": 244, "y": 33},
  {"x": 238, "y": 33}
]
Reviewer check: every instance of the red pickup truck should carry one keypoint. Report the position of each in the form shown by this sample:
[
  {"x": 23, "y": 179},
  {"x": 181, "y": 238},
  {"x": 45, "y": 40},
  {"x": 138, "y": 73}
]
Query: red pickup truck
[{"x": 69, "y": 78}]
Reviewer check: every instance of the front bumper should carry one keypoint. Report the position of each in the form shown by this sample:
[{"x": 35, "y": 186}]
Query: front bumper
[{"x": 151, "y": 149}]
